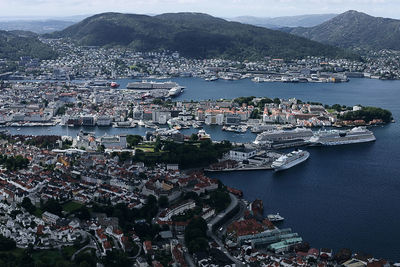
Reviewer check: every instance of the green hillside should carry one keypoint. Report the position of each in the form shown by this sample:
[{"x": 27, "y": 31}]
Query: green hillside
[
  {"x": 354, "y": 29},
  {"x": 194, "y": 35}
]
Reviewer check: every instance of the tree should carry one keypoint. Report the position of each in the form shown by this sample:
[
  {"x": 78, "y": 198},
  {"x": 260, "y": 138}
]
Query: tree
[
  {"x": 133, "y": 140},
  {"x": 83, "y": 213},
  {"x": 6, "y": 243},
  {"x": 53, "y": 206},
  {"x": 255, "y": 114},
  {"x": 101, "y": 148},
  {"x": 27, "y": 204},
  {"x": 163, "y": 202},
  {"x": 194, "y": 137},
  {"x": 196, "y": 235}
]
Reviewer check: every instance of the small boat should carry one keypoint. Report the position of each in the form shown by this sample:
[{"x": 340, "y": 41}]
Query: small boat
[
  {"x": 114, "y": 85},
  {"x": 18, "y": 129},
  {"x": 275, "y": 217}
]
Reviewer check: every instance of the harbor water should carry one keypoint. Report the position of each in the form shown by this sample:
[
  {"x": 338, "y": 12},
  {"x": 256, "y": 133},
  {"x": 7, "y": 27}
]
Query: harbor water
[{"x": 341, "y": 197}]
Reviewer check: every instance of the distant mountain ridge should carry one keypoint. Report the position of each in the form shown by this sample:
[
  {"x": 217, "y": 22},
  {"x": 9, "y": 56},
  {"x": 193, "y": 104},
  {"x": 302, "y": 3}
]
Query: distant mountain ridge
[
  {"x": 36, "y": 26},
  {"x": 354, "y": 29},
  {"x": 285, "y": 21},
  {"x": 194, "y": 35}
]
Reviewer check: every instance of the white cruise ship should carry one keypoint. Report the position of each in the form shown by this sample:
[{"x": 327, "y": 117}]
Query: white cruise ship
[
  {"x": 175, "y": 91},
  {"x": 282, "y": 135},
  {"x": 150, "y": 85},
  {"x": 337, "y": 137},
  {"x": 289, "y": 160}
]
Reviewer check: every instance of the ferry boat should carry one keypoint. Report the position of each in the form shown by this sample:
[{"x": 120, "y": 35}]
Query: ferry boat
[
  {"x": 235, "y": 129},
  {"x": 211, "y": 79},
  {"x": 342, "y": 137},
  {"x": 114, "y": 85},
  {"x": 290, "y": 160},
  {"x": 275, "y": 217},
  {"x": 203, "y": 135}
]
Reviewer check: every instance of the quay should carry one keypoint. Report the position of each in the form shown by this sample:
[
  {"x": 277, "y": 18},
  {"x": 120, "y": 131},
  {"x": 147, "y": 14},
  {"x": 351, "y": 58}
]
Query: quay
[{"x": 256, "y": 168}]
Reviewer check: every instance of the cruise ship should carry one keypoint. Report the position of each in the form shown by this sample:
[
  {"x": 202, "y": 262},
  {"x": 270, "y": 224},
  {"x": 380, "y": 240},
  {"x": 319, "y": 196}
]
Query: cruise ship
[
  {"x": 150, "y": 85},
  {"x": 290, "y": 160},
  {"x": 175, "y": 91},
  {"x": 262, "y": 128},
  {"x": 282, "y": 135},
  {"x": 340, "y": 137}
]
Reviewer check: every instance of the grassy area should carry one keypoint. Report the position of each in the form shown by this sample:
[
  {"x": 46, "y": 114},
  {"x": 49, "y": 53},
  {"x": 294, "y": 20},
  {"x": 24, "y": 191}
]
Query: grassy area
[
  {"x": 146, "y": 147},
  {"x": 38, "y": 213},
  {"x": 331, "y": 110},
  {"x": 50, "y": 257},
  {"x": 17, "y": 252},
  {"x": 68, "y": 251},
  {"x": 89, "y": 251},
  {"x": 71, "y": 206}
]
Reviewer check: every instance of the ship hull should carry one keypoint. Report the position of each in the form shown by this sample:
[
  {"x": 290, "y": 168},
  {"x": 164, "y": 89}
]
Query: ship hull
[
  {"x": 293, "y": 163},
  {"x": 345, "y": 142}
]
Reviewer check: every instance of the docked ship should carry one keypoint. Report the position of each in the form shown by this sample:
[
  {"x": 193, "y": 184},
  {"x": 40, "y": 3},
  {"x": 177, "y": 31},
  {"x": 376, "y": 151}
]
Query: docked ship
[
  {"x": 262, "y": 128},
  {"x": 275, "y": 217},
  {"x": 283, "y": 135},
  {"x": 340, "y": 137},
  {"x": 290, "y": 160},
  {"x": 211, "y": 79},
  {"x": 114, "y": 85},
  {"x": 175, "y": 91},
  {"x": 150, "y": 85}
]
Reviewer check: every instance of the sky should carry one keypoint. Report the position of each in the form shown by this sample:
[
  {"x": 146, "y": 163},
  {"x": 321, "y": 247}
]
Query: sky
[{"x": 220, "y": 8}]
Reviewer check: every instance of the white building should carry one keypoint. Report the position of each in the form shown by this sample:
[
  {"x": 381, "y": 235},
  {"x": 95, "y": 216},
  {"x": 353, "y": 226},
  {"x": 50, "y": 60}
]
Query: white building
[{"x": 242, "y": 153}]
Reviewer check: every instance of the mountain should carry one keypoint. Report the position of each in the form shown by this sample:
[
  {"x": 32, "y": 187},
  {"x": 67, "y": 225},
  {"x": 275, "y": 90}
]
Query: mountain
[
  {"x": 354, "y": 29},
  {"x": 286, "y": 21},
  {"x": 13, "y": 45},
  {"x": 194, "y": 35},
  {"x": 37, "y": 26}
]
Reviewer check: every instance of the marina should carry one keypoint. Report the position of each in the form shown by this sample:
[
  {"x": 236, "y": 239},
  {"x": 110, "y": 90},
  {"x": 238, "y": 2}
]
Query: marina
[{"x": 343, "y": 179}]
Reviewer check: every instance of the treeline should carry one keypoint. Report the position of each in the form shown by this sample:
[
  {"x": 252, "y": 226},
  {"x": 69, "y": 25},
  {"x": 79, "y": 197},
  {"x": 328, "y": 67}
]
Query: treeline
[
  {"x": 249, "y": 100},
  {"x": 195, "y": 36},
  {"x": 368, "y": 114},
  {"x": 13, "y": 47},
  {"x": 14, "y": 163},
  {"x": 6, "y": 244},
  {"x": 196, "y": 235},
  {"x": 130, "y": 218},
  {"x": 43, "y": 141},
  {"x": 187, "y": 154}
]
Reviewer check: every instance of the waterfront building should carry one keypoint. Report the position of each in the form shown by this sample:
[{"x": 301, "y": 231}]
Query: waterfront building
[{"x": 242, "y": 153}]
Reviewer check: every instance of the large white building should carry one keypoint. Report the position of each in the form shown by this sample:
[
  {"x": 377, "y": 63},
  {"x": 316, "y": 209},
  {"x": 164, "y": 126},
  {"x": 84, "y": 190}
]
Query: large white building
[
  {"x": 242, "y": 153},
  {"x": 168, "y": 213}
]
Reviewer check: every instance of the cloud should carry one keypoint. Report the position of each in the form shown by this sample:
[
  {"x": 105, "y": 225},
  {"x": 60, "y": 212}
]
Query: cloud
[{"x": 225, "y": 8}]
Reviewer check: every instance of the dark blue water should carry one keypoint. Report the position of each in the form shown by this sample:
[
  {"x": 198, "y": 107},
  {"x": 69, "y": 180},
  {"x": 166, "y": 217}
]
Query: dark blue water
[{"x": 344, "y": 196}]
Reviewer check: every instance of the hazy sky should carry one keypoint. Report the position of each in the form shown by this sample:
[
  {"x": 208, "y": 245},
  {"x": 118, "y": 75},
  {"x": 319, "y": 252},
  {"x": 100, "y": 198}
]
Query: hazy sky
[{"x": 222, "y": 8}]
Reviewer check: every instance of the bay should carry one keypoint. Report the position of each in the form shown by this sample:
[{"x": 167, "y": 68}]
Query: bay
[{"x": 343, "y": 196}]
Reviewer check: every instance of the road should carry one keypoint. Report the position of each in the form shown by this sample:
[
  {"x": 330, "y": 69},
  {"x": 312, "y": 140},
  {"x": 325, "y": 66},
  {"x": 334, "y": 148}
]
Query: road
[
  {"x": 216, "y": 219},
  {"x": 92, "y": 244}
]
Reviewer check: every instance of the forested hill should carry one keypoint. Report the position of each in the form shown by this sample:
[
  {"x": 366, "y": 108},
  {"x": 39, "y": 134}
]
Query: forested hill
[
  {"x": 14, "y": 45},
  {"x": 194, "y": 35},
  {"x": 354, "y": 29}
]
